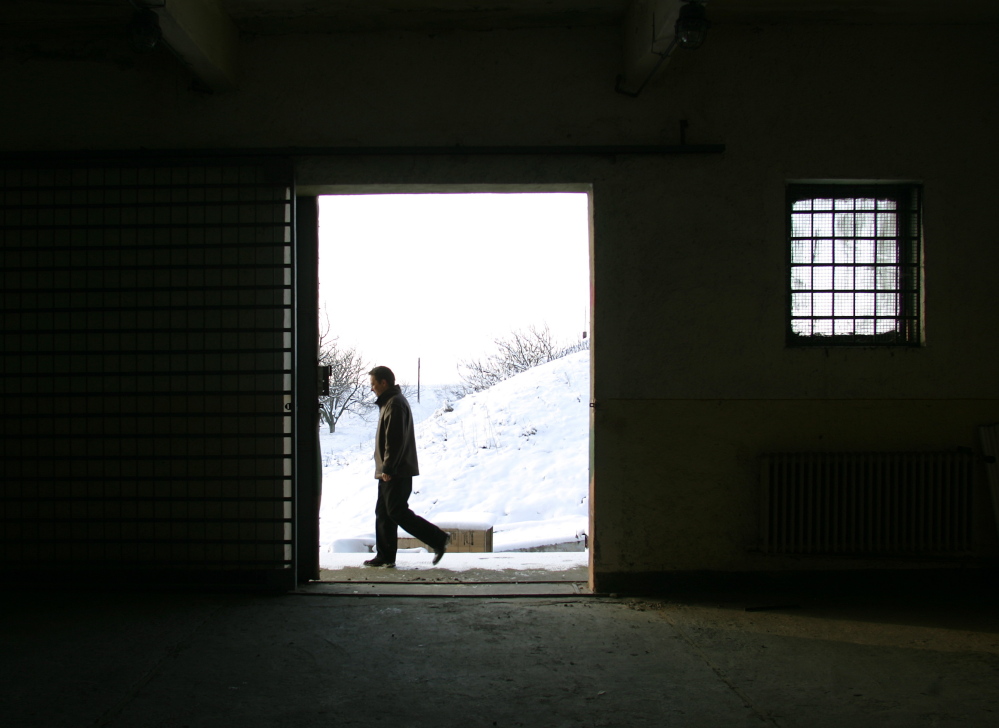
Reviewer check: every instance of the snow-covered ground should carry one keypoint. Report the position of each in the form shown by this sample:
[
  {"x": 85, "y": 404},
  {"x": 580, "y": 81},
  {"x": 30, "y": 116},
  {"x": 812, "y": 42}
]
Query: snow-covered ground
[
  {"x": 515, "y": 455},
  {"x": 518, "y": 561}
]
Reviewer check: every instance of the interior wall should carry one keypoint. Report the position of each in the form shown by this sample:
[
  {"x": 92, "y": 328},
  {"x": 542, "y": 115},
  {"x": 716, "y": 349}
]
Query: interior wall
[
  {"x": 700, "y": 321},
  {"x": 692, "y": 379}
]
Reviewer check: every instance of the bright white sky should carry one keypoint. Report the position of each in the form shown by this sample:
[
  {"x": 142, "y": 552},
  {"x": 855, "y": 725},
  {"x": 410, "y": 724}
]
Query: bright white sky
[{"x": 439, "y": 277}]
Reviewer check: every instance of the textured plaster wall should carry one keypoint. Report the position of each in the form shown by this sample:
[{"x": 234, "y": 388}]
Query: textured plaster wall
[
  {"x": 692, "y": 378},
  {"x": 686, "y": 472},
  {"x": 489, "y": 87}
]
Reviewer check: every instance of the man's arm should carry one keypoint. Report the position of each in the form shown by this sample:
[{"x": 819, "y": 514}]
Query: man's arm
[{"x": 395, "y": 433}]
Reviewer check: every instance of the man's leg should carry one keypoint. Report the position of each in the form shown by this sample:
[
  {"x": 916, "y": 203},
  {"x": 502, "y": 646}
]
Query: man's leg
[
  {"x": 386, "y": 533},
  {"x": 400, "y": 488}
]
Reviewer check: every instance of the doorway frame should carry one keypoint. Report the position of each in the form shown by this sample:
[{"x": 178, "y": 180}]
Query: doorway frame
[
  {"x": 308, "y": 465},
  {"x": 308, "y": 457}
]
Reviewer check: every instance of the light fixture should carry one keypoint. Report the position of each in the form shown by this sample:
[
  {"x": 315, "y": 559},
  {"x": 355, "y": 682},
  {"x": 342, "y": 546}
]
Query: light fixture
[
  {"x": 144, "y": 32},
  {"x": 692, "y": 25},
  {"x": 689, "y": 31}
]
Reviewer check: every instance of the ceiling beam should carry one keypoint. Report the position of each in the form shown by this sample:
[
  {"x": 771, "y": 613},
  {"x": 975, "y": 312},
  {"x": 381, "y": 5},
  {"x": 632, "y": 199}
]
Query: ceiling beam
[{"x": 204, "y": 38}]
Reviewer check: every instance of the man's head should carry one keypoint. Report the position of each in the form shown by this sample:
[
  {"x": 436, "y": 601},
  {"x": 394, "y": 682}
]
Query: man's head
[{"x": 382, "y": 379}]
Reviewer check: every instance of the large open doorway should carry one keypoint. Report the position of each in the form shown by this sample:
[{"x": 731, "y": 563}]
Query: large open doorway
[{"x": 441, "y": 287}]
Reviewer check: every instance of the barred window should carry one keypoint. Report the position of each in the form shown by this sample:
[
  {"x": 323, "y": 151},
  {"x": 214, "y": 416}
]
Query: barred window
[{"x": 855, "y": 265}]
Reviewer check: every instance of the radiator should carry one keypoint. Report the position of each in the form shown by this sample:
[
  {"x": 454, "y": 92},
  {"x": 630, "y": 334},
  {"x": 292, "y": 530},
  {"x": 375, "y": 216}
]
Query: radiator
[{"x": 867, "y": 503}]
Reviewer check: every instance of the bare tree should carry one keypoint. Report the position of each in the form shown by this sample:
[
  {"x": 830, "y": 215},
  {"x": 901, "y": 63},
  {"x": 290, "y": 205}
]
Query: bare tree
[
  {"x": 516, "y": 353},
  {"x": 349, "y": 390}
]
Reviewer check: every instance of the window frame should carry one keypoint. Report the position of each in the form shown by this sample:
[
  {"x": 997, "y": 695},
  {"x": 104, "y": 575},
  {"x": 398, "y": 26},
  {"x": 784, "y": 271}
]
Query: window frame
[{"x": 908, "y": 198}]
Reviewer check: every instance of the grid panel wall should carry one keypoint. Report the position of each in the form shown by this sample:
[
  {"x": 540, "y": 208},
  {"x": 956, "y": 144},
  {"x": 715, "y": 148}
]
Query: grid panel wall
[{"x": 146, "y": 369}]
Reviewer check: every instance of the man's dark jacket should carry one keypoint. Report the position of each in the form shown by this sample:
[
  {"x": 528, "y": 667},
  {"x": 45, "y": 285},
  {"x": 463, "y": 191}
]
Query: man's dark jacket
[{"x": 395, "y": 439}]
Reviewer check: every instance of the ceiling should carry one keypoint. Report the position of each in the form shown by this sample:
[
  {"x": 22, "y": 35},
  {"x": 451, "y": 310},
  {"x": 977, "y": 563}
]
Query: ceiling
[{"x": 283, "y": 16}]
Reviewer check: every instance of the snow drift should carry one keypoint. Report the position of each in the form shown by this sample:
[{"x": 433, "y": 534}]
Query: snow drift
[{"x": 515, "y": 455}]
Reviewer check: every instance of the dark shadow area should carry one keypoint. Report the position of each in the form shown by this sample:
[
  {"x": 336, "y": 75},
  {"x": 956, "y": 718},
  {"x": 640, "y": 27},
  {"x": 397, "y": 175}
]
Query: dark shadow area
[{"x": 941, "y": 599}]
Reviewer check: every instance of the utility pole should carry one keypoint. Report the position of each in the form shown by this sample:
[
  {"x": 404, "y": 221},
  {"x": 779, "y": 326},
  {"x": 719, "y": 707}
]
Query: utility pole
[{"x": 417, "y": 380}]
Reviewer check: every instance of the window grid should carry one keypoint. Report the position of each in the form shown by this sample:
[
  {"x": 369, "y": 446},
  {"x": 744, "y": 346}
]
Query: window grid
[{"x": 854, "y": 265}]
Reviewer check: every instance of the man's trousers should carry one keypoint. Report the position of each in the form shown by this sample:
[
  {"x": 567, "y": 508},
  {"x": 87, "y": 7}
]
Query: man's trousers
[{"x": 392, "y": 512}]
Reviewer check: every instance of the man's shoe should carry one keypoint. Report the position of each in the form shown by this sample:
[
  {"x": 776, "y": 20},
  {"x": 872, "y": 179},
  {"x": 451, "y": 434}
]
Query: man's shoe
[
  {"x": 378, "y": 561},
  {"x": 442, "y": 549}
]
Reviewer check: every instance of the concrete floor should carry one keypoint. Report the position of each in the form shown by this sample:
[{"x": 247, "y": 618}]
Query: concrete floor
[{"x": 174, "y": 660}]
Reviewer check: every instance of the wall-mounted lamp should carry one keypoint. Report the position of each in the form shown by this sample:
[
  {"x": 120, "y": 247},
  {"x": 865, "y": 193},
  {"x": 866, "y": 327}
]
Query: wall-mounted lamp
[
  {"x": 689, "y": 31},
  {"x": 144, "y": 32},
  {"x": 692, "y": 25}
]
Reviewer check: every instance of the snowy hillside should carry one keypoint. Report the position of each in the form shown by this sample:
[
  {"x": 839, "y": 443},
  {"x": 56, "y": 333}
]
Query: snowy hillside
[{"x": 515, "y": 455}]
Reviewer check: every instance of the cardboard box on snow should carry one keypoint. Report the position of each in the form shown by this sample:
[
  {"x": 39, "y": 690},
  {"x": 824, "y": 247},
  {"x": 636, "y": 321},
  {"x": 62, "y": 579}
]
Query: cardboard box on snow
[{"x": 470, "y": 532}]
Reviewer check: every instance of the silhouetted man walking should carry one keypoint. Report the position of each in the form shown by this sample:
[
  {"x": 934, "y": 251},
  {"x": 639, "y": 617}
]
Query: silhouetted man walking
[{"x": 395, "y": 466}]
